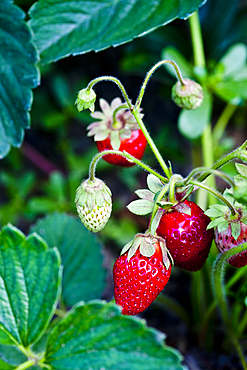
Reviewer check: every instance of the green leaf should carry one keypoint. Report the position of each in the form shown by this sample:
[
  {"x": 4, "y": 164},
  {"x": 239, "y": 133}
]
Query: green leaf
[
  {"x": 140, "y": 207},
  {"x": 81, "y": 256},
  {"x": 173, "y": 54},
  {"x": 30, "y": 277},
  {"x": 234, "y": 60},
  {"x": 18, "y": 75},
  {"x": 11, "y": 355},
  {"x": 65, "y": 27},
  {"x": 242, "y": 169},
  {"x": 154, "y": 183},
  {"x": 191, "y": 123},
  {"x": 96, "y": 336},
  {"x": 4, "y": 366}
]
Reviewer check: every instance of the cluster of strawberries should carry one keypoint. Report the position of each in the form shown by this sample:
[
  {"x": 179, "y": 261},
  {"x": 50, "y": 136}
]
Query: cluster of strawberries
[{"x": 183, "y": 233}]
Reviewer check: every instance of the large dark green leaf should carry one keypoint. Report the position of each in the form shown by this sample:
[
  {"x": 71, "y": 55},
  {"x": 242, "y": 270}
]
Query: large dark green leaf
[
  {"x": 83, "y": 274},
  {"x": 96, "y": 336},
  {"x": 64, "y": 27},
  {"x": 18, "y": 75},
  {"x": 30, "y": 279}
]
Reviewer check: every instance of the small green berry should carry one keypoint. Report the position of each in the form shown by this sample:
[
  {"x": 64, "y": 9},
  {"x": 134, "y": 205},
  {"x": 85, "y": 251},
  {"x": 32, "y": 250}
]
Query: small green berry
[
  {"x": 94, "y": 204},
  {"x": 187, "y": 96},
  {"x": 85, "y": 100}
]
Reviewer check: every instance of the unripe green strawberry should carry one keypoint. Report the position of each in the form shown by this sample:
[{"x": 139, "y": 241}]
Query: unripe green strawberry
[
  {"x": 94, "y": 204},
  {"x": 187, "y": 96}
]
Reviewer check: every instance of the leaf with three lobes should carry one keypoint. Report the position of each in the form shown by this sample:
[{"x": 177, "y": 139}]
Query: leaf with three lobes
[
  {"x": 65, "y": 27},
  {"x": 18, "y": 75},
  {"x": 30, "y": 280}
]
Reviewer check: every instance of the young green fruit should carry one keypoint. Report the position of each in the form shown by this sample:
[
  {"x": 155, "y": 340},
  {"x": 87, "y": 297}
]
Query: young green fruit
[
  {"x": 188, "y": 95},
  {"x": 94, "y": 204}
]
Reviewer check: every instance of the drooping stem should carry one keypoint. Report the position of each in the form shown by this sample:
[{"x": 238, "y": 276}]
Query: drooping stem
[
  {"x": 216, "y": 193},
  {"x": 199, "y": 170},
  {"x": 172, "y": 185},
  {"x": 151, "y": 143},
  {"x": 220, "y": 296},
  {"x": 114, "y": 116},
  {"x": 227, "y": 158},
  {"x": 149, "y": 74},
  {"x": 97, "y": 157},
  {"x": 116, "y": 81}
]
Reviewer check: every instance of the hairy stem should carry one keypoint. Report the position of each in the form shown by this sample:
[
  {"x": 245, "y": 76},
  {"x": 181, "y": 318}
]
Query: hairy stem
[
  {"x": 151, "y": 143},
  {"x": 116, "y": 81},
  {"x": 97, "y": 157},
  {"x": 216, "y": 193},
  {"x": 149, "y": 74}
]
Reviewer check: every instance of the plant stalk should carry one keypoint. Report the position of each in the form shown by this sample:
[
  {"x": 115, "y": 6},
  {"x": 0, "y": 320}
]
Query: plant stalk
[{"x": 98, "y": 156}]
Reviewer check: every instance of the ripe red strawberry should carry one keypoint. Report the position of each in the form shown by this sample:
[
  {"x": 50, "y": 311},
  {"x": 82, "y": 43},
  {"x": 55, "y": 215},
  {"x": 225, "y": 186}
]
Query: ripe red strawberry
[
  {"x": 224, "y": 241},
  {"x": 135, "y": 145},
  {"x": 186, "y": 235},
  {"x": 117, "y": 132},
  {"x": 139, "y": 279}
]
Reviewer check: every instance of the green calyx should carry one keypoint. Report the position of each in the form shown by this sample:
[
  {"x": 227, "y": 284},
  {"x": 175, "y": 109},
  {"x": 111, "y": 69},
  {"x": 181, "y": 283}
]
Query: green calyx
[
  {"x": 188, "y": 95},
  {"x": 85, "y": 100},
  {"x": 222, "y": 217},
  {"x": 92, "y": 193},
  {"x": 146, "y": 243}
]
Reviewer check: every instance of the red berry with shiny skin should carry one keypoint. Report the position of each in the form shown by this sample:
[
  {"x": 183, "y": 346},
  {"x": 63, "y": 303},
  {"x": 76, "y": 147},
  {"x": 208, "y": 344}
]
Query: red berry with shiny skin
[
  {"x": 225, "y": 241},
  {"x": 187, "y": 237},
  {"x": 138, "y": 282},
  {"x": 135, "y": 145}
]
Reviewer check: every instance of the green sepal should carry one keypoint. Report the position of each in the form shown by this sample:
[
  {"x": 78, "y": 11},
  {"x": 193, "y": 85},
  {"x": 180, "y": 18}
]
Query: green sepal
[
  {"x": 235, "y": 229},
  {"x": 141, "y": 207},
  {"x": 145, "y": 194},
  {"x": 212, "y": 212},
  {"x": 215, "y": 222},
  {"x": 242, "y": 169},
  {"x": 85, "y": 100},
  {"x": 154, "y": 183},
  {"x": 156, "y": 220},
  {"x": 223, "y": 226}
]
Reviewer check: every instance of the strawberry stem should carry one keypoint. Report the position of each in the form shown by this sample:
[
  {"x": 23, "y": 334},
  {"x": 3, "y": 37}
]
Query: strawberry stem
[
  {"x": 199, "y": 170},
  {"x": 239, "y": 153},
  {"x": 220, "y": 296},
  {"x": 172, "y": 186},
  {"x": 98, "y": 156},
  {"x": 116, "y": 81},
  {"x": 149, "y": 74},
  {"x": 150, "y": 141},
  {"x": 217, "y": 194}
]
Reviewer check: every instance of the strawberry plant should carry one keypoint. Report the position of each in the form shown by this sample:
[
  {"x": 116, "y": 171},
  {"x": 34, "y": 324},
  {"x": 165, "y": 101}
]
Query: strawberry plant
[{"x": 70, "y": 299}]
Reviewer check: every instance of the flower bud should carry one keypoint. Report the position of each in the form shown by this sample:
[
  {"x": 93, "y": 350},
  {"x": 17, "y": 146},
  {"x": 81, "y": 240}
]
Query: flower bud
[
  {"x": 189, "y": 95},
  {"x": 85, "y": 100},
  {"x": 94, "y": 204}
]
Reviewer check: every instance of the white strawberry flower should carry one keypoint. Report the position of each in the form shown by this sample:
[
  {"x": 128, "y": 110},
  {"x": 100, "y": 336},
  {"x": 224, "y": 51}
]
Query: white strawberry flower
[
  {"x": 94, "y": 204},
  {"x": 122, "y": 126}
]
